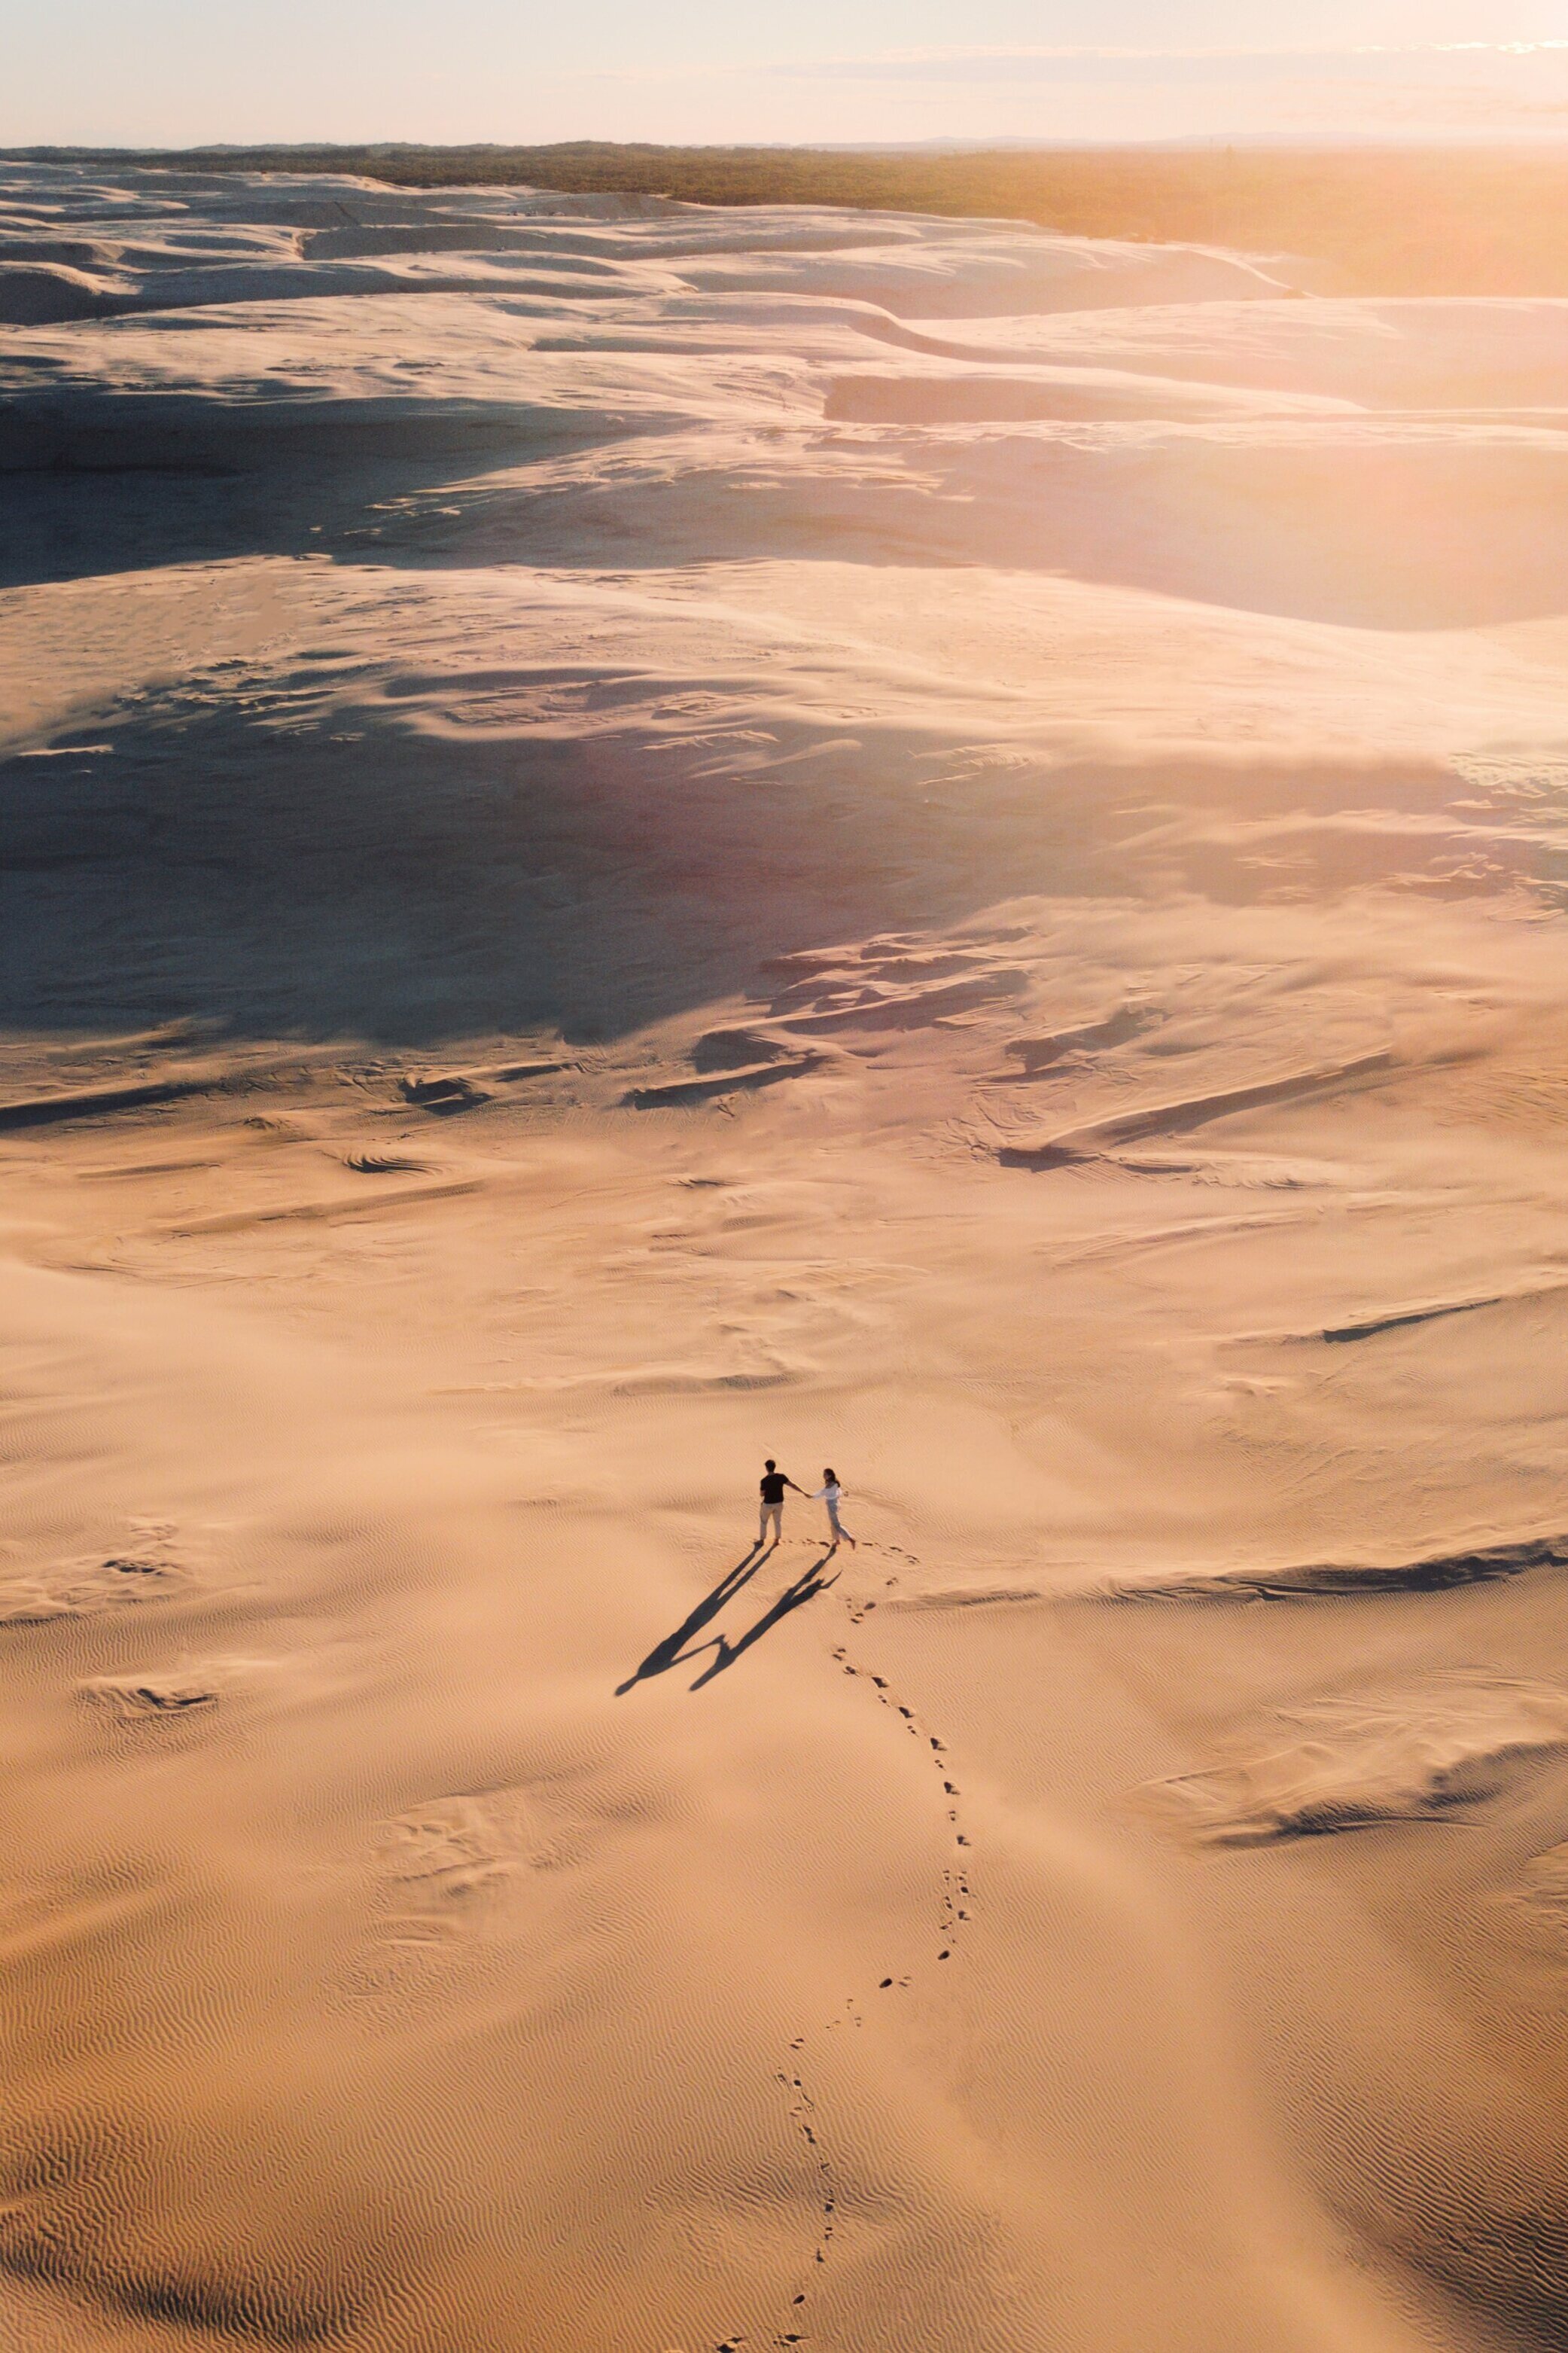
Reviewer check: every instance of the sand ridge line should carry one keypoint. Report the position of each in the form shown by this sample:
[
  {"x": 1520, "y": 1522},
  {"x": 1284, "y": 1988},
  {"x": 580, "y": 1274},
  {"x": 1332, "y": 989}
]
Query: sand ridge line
[
  {"x": 1402, "y": 1318},
  {"x": 88, "y": 1102},
  {"x": 1388, "y": 1201},
  {"x": 1396, "y": 1319},
  {"x": 1170, "y": 1237},
  {"x": 894, "y": 981},
  {"x": 1177, "y": 1116},
  {"x": 1428, "y": 1754},
  {"x": 1433, "y": 1573},
  {"x": 141, "y": 1169},
  {"x": 916, "y": 1008},
  {"x": 370, "y": 1204},
  {"x": 649, "y": 1379},
  {"x": 674, "y": 1092},
  {"x": 738, "y": 1048},
  {"x": 453, "y": 1090},
  {"x": 1114, "y": 1029},
  {"x": 386, "y": 1164}
]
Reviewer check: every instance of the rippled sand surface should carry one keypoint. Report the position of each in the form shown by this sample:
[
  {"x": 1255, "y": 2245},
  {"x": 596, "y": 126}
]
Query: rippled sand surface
[{"x": 635, "y": 837}]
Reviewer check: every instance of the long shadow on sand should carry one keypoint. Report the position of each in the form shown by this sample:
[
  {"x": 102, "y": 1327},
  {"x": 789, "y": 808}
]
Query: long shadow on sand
[
  {"x": 680, "y": 1648},
  {"x": 807, "y": 1587}
]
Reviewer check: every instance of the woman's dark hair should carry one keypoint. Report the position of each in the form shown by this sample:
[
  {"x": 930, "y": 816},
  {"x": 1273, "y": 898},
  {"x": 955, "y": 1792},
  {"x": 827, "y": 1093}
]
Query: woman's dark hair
[{"x": 831, "y": 1478}]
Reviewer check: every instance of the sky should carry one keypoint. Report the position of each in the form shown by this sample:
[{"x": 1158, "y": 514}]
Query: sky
[{"x": 177, "y": 72}]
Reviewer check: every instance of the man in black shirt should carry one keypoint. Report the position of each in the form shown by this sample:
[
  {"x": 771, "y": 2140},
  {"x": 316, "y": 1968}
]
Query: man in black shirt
[{"x": 772, "y": 1490}]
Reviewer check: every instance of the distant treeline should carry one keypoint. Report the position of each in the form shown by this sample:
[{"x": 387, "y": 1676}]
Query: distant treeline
[{"x": 1423, "y": 221}]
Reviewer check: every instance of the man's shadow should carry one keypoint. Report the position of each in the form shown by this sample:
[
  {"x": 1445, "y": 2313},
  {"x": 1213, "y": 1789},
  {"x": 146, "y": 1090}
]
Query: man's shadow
[
  {"x": 673, "y": 1650},
  {"x": 807, "y": 1587}
]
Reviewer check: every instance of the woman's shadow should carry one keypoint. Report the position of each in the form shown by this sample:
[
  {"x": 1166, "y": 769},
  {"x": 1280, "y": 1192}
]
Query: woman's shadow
[{"x": 673, "y": 1650}]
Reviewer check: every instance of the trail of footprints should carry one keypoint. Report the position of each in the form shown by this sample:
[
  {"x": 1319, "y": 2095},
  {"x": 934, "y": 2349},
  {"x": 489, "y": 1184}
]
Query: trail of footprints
[
  {"x": 81, "y": 1588},
  {"x": 952, "y": 1913}
]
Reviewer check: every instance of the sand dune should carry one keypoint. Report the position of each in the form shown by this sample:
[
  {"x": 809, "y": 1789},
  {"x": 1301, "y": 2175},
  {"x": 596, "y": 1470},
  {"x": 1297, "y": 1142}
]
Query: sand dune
[
  {"x": 1426, "y": 1755},
  {"x": 635, "y": 837}
]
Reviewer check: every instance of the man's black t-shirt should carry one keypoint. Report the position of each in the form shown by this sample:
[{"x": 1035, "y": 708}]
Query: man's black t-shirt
[{"x": 774, "y": 1484}]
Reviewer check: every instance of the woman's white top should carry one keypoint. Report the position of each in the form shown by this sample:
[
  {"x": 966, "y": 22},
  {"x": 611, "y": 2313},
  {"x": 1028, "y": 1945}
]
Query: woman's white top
[{"x": 831, "y": 1494}]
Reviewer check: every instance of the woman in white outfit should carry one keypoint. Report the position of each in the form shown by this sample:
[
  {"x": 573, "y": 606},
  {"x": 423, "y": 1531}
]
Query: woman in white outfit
[{"x": 831, "y": 1494}]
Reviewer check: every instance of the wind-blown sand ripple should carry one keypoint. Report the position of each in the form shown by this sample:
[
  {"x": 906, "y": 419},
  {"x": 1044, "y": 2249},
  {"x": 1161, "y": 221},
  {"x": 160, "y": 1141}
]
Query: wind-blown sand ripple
[{"x": 588, "y": 788}]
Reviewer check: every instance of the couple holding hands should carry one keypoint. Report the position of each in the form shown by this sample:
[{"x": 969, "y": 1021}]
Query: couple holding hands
[{"x": 771, "y": 1491}]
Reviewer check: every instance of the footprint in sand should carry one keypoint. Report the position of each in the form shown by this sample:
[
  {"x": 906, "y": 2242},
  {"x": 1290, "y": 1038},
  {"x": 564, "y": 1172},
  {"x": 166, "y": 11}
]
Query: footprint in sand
[
  {"x": 953, "y": 1910},
  {"x": 956, "y": 1894},
  {"x": 803, "y": 2108}
]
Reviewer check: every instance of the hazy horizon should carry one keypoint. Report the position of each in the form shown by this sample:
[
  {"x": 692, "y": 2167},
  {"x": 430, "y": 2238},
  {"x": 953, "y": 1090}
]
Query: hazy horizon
[
  {"x": 161, "y": 73},
  {"x": 937, "y": 144}
]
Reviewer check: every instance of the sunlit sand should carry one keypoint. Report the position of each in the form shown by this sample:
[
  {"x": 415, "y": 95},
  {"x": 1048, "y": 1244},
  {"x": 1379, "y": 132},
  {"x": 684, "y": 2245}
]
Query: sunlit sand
[{"x": 635, "y": 839}]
